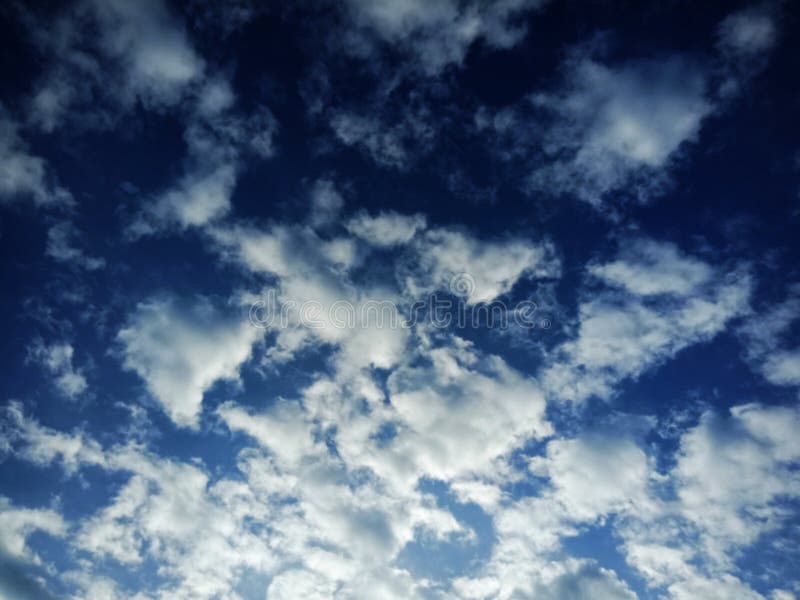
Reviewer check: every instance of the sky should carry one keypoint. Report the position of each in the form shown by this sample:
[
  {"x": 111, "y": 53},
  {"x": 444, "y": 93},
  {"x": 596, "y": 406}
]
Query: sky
[{"x": 400, "y": 300}]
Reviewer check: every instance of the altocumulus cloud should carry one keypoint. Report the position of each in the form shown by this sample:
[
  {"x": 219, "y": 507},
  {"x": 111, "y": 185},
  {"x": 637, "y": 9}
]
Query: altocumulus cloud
[{"x": 170, "y": 169}]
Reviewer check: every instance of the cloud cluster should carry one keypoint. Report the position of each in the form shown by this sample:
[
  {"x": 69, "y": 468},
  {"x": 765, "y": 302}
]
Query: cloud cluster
[
  {"x": 402, "y": 440},
  {"x": 652, "y": 302}
]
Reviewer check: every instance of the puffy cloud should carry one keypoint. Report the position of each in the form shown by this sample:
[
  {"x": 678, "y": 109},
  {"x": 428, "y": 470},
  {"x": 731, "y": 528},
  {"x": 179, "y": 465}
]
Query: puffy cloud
[
  {"x": 731, "y": 473},
  {"x": 216, "y": 139},
  {"x": 386, "y": 229},
  {"x": 646, "y": 267},
  {"x": 728, "y": 488},
  {"x": 151, "y": 46},
  {"x": 284, "y": 429},
  {"x": 18, "y": 523},
  {"x": 199, "y": 197},
  {"x": 615, "y": 127},
  {"x": 457, "y": 415},
  {"x": 314, "y": 299},
  {"x": 480, "y": 270},
  {"x": 169, "y": 511},
  {"x": 584, "y": 480},
  {"x": 783, "y": 368},
  {"x": 110, "y": 57},
  {"x": 304, "y": 584},
  {"x": 112, "y": 54},
  {"x": 744, "y": 41},
  {"x": 181, "y": 348},
  {"x": 595, "y": 474},
  {"x": 667, "y": 302},
  {"x": 726, "y": 586}
]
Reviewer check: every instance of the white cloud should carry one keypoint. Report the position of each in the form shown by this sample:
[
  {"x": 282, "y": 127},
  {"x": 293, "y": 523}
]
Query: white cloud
[
  {"x": 151, "y": 46},
  {"x": 216, "y": 142},
  {"x": 725, "y": 586},
  {"x": 729, "y": 487},
  {"x": 768, "y": 343},
  {"x": 666, "y": 303},
  {"x": 386, "y": 229},
  {"x": 616, "y": 127},
  {"x": 744, "y": 41},
  {"x": 312, "y": 281},
  {"x": 595, "y": 474},
  {"x": 646, "y": 267},
  {"x": 485, "y": 269},
  {"x": 56, "y": 359},
  {"x": 417, "y": 41},
  {"x": 439, "y": 33},
  {"x": 19, "y": 523},
  {"x": 112, "y": 57},
  {"x": 298, "y": 583},
  {"x": 385, "y": 145},
  {"x": 43, "y": 446},
  {"x": 783, "y": 368},
  {"x": 198, "y": 198},
  {"x": 181, "y": 348},
  {"x": 106, "y": 57},
  {"x": 23, "y": 175},
  {"x": 284, "y": 429},
  {"x": 457, "y": 415},
  {"x": 730, "y": 473},
  {"x": 200, "y": 533}
]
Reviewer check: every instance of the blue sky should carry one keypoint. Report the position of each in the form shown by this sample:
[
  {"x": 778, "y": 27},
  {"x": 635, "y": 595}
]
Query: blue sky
[{"x": 399, "y": 299}]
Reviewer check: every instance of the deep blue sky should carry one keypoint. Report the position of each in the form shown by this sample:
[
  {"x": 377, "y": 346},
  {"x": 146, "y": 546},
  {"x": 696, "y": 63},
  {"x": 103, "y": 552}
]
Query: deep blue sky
[{"x": 632, "y": 169}]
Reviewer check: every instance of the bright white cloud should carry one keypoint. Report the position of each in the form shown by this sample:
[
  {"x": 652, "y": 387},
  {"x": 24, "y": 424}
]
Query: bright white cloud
[
  {"x": 19, "y": 523},
  {"x": 732, "y": 471},
  {"x": 595, "y": 474},
  {"x": 181, "y": 348},
  {"x": 667, "y": 302},
  {"x": 600, "y": 473},
  {"x": 480, "y": 270}
]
